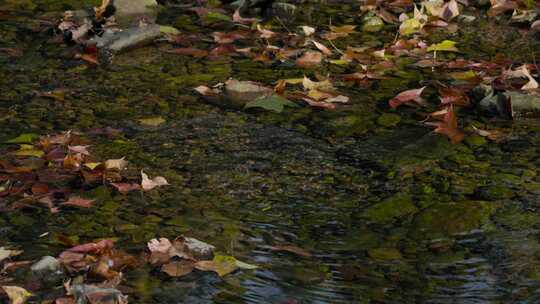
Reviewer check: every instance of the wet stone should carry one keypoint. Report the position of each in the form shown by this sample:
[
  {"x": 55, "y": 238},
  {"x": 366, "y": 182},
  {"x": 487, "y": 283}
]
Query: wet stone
[
  {"x": 390, "y": 209},
  {"x": 445, "y": 220}
]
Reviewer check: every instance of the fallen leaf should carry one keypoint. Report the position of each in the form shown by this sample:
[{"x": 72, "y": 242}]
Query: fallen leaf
[
  {"x": 322, "y": 48},
  {"x": 149, "y": 184},
  {"x": 308, "y": 30},
  {"x": 264, "y": 33},
  {"x": 92, "y": 294},
  {"x": 79, "y": 202},
  {"x": 447, "y": 125},
  {"x": 17, "y": 295},
  {"x": 163, "y": 245},
  {"x": 152, "y": 121},
  {"x": 532, "y": 84},
  {"x": 239, "y": 19},
  {"x": 7, "y": 253},
  {"x": 309, "y": 59},
  {"x": 501, "y": 6},
  {"x": 26, "y": 138},
  {"x": 274, "y": 103},
  {"x": 118, "y": 164},
  {"x": 410, "y": 26},
  {"x": 178, "y": 268},
  {"x": 454, "y": 96},
  {"x": 126, "y": 187},
  {"x": 89, "y": 58},
  {"x": 29, "y": 150},
  {"x": 206, "y": 91},
  {"x": 79, "y": 149},
  {"x": 95, "y": 248},
  {"x": 445, "y": 46},
  {"x": 409, "y": 97}
]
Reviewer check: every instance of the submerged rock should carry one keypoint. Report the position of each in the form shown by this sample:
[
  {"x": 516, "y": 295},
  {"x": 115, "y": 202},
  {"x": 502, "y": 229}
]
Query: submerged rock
[
  {"x": 390, "y": 209},
  {"x": 449, "y": 219}
]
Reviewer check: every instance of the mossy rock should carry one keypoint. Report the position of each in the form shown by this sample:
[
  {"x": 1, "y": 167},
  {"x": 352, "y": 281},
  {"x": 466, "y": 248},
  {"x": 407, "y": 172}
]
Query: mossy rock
[
  {"x": 390, "y": 209},
  {"x": 449, "y": 219}
]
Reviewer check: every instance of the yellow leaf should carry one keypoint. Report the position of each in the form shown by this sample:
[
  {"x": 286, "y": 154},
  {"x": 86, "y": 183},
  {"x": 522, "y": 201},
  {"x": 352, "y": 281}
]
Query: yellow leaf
[
  {"x": 152, "y": 122},
  {"x": 17, "y": 295},
  {"x": 445, "y": 46},
  {"x": 410, "y": 26},
  {"x": 29, "y": 150}
]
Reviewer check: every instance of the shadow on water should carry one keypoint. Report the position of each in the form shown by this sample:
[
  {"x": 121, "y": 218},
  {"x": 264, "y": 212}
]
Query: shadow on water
[{"x": 390, "y": 213}]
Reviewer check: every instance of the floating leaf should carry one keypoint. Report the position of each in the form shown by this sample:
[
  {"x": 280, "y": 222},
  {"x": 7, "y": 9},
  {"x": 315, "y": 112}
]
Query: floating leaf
[
  {"x": 410, "y": 97},
  {"x": 168, "y": 30},
  {"x": 29, "y": 150},
  {"x": 149, "y": 184},
  {"x": 163, "y": 245},
  {"x": 308, "y": 30},
  {"x": 118, "y": 164},
  {"x": 78, "y": 202},
  {"x": 152, "y": 122},
  {"x": 7, "y": 253},
  {"x": 447, "y": 124},
  {"x": 445, "y": 46},
  {"x": 178, "y": 268},
  {"x": 26, "y": 138},
  {"x": 274, "y": 103},
  {"x": 126, "y": 187},
  {"x": 17, "y": 295},
  {"x": 309, "y": 59},
  {"x": 410, "y": 26}
]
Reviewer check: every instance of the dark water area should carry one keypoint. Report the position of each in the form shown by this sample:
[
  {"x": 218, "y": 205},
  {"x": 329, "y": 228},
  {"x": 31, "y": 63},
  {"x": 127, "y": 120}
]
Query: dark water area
[{"x": 390, "y": 211}]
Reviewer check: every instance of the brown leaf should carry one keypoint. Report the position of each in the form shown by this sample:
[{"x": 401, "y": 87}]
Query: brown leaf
[
  {"x": 453, "y": 96},
  {"x": 309, "y": 59},
  {"x": 65, "y": 300},
  {"x": 79, "y": 202},
  {"x": 322, "y": 48},
  {"x": 447, "y": 125},
  {"x": 79, "y": 149},
  {"x": 163, "y": 245},
  {"x": 501, "y": 6},
  {"x": 126, "y": 187},
  {"x": 410, "y": 97},
  {"x": 178, "y": 268},
  {"x": 97, "y": 247},
  {"x": 40, "y": 188},
  {"x": 239, "y": 19}
]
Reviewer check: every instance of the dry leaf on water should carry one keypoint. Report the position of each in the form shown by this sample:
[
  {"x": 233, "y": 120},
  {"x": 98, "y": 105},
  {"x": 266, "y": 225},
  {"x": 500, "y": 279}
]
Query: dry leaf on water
[
  {"x": 149, "y": 184},
  {"x": 239, "y": 19},
  {"x": 309, "y": 59},
  {"x": 78, "y": 202},
  {"x": 17, "y": 295},
  {"x": 409, "y": 97},
  {"x": 447, "y": 124},
  {"x": 119, "y": 164},
  {"x": 126, "y": 187},
  {"x": 178, "y": 268}
]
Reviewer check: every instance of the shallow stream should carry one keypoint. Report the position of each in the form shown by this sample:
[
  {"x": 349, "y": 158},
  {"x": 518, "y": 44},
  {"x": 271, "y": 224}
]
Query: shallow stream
[{"x": 390, "y": 211}]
